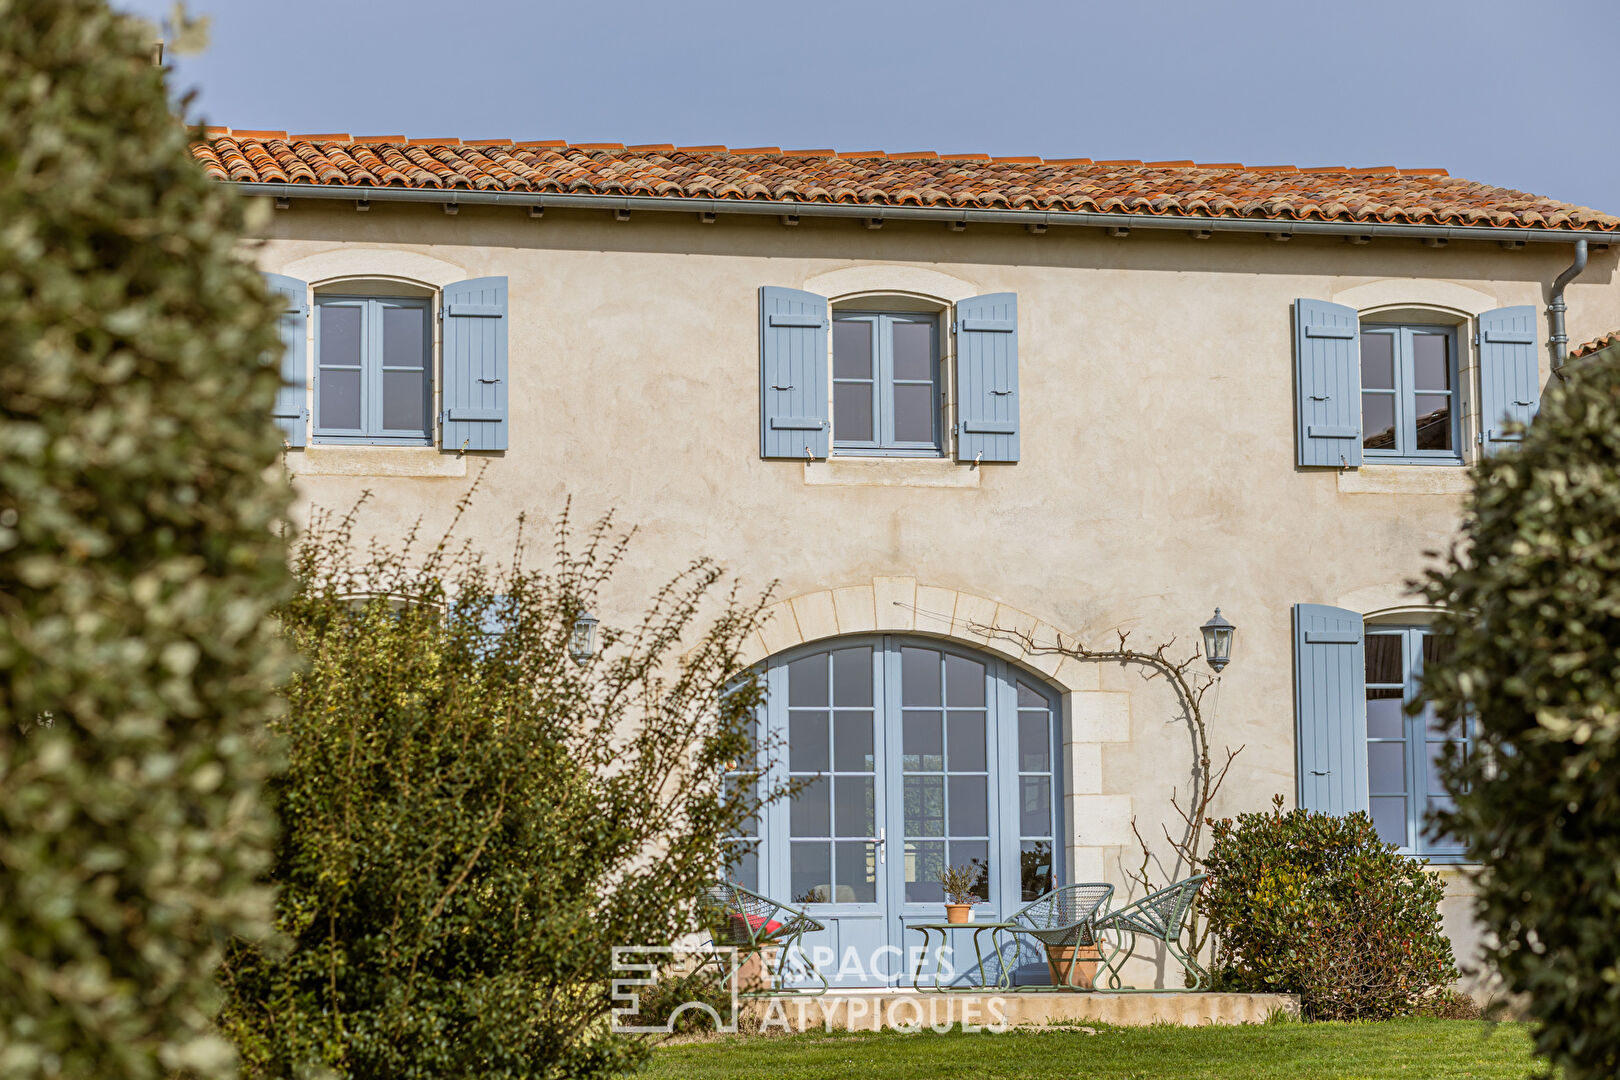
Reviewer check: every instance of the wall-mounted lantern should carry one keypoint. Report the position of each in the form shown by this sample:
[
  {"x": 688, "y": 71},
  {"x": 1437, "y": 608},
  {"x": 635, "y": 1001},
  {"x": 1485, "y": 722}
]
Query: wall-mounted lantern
[
  {"x": 582, "y": 642},
  {"x": 1218, "y": 641}
]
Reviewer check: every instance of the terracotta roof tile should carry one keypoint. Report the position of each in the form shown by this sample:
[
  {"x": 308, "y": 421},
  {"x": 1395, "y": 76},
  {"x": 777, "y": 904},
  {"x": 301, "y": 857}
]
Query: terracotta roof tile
[
  {"x": 1596, "y": 345},
  {"x": 876, "y": 179}
]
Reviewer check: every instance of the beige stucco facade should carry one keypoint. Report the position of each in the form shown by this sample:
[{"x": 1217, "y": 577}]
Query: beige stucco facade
[{"x": 1157, "y": 477}]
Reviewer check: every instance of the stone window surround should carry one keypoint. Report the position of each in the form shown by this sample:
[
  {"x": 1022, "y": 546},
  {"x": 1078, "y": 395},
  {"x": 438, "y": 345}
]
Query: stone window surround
[{"x": 1093, "y": 821}]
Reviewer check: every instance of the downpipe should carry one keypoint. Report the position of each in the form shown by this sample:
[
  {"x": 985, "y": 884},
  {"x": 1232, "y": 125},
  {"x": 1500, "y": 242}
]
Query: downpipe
[{"x": 1556, "y": 308}]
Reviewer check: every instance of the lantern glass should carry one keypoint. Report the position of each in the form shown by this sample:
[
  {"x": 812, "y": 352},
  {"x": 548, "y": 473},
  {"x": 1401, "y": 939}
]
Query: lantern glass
[
  {"x": 1218, "y": 641},
  {"x": 582, "y": 642}
]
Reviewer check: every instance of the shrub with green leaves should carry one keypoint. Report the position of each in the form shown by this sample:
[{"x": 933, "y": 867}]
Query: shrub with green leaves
[
  {"x": 139, "y": 560},
  {"x": 472, "y": 820},
  {"x": 1316, "y": 905},
  {"x": 1532, "y": 596}
]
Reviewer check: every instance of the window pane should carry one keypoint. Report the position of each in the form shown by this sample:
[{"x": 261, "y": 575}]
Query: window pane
[
  {"x": 1434, "y": 421},
  {"x": 742, "y": 865},
  {"x": 1378, "y": 361},
  {"x": 1034, "y": 744},
  {"x": 923, "y": 746},
  {"x": 807, "y": 742},
  {"x": 1386, "y": 768},
  {"x": 1439, "y": 753},
  {"x": 1034, "y": 869},
  {"x": 1034, "y": 806},
  {"x": 924, "y": 861},
  {"x": 340, "y": 399},
  {"x": 1378, "y": 421},
  {"x": 807, "y": 681},
  {"x": 852, "y": 806},
  {"x": 1436, "y": 647},
  {"x": 1384, "y": 659},
  {"x": 1389, "y": 818},
  {"x": 919, "y": 677},
  {"x": 913, "y": 351},
  {"x": 811, "y": 810},
  {"x": 974, "y": 854},
  {"x": 914, "y": 413},
  {"x": 404, "y": 344},
  {"x": 964, "y": 732},
  {"x": 852, "y": 412},
  {"x": 1029, "y": 697},
  {"x": 340, "y": 335},
  {"x": 812, "y": 872},
  {"x": 925, "y": 805},
  {"x": 852, "y": 350},
  {"x": 964, "y": 683},
  {"x": 852, "y": 677},
  {"x": 1431, "y": 362},
  {"x": 856, "y": 873},
  {"x": 969, "y": 812},
  {"x": 852, "y": 741},
  {"x": 1384, "y": 716},
  {"x": 404, "y": 401}
]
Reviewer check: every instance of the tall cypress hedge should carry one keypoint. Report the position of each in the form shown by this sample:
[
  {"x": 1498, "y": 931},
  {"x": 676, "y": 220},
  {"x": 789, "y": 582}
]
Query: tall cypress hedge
[
  {"x": 139, "y": 558},
  {"x": 1533, "y": 596}
]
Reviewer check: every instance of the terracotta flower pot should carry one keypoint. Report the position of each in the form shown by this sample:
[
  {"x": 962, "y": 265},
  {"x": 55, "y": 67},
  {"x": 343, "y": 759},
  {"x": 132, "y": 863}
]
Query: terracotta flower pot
[
  {"x": 1072, "y": 965},
  {"x": 958, "y": 913}
]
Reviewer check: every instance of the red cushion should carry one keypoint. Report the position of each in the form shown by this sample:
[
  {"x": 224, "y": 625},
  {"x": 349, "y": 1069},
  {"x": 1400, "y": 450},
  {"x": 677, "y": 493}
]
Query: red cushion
[{"x": 756, "y": 921}]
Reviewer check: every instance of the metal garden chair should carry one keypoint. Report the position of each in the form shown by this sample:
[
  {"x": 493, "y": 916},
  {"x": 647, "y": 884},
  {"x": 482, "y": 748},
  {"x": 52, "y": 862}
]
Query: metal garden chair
[
  {"x": 753, "y": 924},
  {"x": 1064, "y": 922},
  {"x": 1158, "y": 915}
]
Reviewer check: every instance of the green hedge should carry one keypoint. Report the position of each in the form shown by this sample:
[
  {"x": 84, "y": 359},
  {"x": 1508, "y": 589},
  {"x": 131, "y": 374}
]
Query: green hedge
[
  {"x": 1317, "y": 905},
  {"x": 471, "y": 820},
  {"x": 1533, "y": 596},
  {"x": 138, "y": 562}
]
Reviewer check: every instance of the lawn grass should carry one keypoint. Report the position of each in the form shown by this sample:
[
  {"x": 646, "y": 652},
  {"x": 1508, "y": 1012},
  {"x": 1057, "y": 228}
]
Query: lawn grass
[{"x": 1408, "y": 1049}]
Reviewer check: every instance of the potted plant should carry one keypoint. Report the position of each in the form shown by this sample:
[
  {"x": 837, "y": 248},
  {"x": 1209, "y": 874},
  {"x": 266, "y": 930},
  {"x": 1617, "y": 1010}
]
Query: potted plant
[{"x": 959, "y": 882}]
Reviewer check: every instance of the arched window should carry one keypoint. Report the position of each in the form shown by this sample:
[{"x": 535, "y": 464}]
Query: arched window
[{"x": 910, "y": 755}]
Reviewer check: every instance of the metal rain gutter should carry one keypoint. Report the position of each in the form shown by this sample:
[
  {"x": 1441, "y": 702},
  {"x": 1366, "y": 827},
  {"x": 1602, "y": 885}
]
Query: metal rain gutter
[{"x": 778, "y": 208}]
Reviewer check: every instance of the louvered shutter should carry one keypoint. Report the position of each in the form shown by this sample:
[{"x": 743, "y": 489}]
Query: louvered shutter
[
  {"x": 474, "y": 396},
  {"x": 987, "y": 378},
  {"x": 1330, "y": 706},
  {"x": 1327, "y": 372},
  {"x": 792, "y": 373},
  {"x": 1509, "y": 376},
  {"x": 291, "y": 411}
]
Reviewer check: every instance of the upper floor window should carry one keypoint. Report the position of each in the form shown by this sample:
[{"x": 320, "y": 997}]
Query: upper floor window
[
  {"x": 1409, "y": 392},
  {"x": 373, "y": 370},
  {"x": 1404, "y": 751},
  {"x": 886, "y": 384}
]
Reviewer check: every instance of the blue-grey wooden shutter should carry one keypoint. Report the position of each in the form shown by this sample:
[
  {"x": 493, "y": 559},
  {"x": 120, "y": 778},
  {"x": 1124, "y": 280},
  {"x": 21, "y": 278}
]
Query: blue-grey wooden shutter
[
  {"x": 474, "y": 314},
  {"x": 987, "y": 378},
  {"x": 290, "y": 411},
  {"x": 1330, "y": 705},
  {"x": 792, "y": 373},
  {"x": 1509, "y": 378},
  {"x": 1327, "y": 371}
]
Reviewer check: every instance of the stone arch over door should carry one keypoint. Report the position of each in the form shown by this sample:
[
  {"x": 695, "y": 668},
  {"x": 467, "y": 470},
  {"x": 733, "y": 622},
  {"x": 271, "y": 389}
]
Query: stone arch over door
[{"x": 1095, "y": 821}]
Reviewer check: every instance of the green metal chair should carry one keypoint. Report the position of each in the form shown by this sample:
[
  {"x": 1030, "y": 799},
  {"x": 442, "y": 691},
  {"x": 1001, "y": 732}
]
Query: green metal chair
[
  {"x": 753, "y": 924},
  {"x": 1064, "y": 918},
  {"x": 1159, "y": 916}
]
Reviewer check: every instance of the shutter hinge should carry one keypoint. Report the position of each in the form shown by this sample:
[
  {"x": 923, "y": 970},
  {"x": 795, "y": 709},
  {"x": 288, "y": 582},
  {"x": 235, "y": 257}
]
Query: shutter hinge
[{"x": 953, "y": 326}]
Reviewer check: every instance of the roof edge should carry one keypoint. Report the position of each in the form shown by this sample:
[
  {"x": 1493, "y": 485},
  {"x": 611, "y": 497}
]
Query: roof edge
[{"x": 776, "y": 207}]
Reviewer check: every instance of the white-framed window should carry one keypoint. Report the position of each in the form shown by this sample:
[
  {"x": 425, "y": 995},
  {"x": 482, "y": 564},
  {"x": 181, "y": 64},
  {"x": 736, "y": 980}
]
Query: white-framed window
[
  {"x": 373, "y": 369},
  {"x": 887, "y": 384},
  {"x": 1404, "y": 751}
]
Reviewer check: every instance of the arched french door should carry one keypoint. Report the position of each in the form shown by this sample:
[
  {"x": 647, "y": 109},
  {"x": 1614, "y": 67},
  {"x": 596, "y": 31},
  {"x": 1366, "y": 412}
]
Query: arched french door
[{"x": 911, "y": 755}]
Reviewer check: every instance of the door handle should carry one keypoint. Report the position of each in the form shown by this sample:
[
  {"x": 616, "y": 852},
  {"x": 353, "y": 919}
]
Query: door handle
[{"x": 882, "y": 842}]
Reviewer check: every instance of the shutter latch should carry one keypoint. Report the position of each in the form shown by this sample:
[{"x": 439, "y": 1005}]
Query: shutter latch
[
  {"x": 1001, "y": 393},
  {"x": 789, "y": 386},
  {"x": 489, "y": 380},
  {"x": 1319, "y": 397},
  {"x": 1315, "y": 772}
]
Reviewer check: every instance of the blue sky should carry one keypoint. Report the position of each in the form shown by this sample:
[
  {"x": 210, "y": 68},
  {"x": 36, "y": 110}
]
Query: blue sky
[{"x": 1510, "y": 93}]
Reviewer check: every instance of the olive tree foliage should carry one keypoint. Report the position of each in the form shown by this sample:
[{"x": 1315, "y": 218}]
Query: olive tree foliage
[
  {"x": 471, "y": 819},
  {"x": 139, "y": 560},
  {"x": 1532, "y": 594}
]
